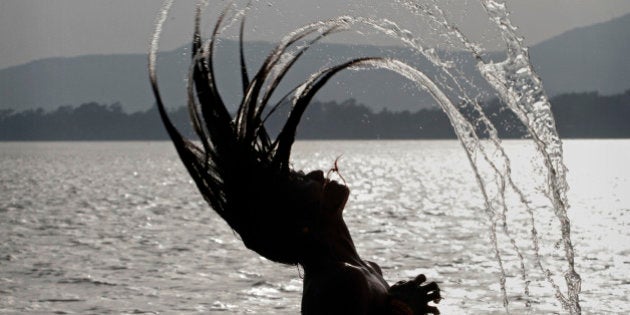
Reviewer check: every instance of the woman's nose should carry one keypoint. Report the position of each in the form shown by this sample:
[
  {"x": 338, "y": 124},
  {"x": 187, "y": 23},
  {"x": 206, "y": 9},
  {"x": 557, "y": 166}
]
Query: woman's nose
[{"x": 317, "y": 175}]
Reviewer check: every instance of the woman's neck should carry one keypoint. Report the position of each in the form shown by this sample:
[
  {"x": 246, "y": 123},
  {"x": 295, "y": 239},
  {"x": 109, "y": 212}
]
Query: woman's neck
[{"x": 335, "y": 246}]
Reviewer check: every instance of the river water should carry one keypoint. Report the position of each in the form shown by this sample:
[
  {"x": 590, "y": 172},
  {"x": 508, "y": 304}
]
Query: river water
[{"x": 119, "y": 228}]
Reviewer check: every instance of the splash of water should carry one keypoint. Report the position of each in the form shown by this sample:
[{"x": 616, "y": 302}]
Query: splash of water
[{"x": 521, "y": 89}]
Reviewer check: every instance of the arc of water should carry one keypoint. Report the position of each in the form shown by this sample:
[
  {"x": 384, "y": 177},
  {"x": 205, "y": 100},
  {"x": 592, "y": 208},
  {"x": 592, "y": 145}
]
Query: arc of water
[{"x": 541, "y": 127}]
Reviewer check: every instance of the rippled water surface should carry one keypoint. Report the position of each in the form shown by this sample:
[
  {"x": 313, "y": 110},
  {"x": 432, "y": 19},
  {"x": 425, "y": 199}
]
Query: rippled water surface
[{"x": 119, "y": 228}]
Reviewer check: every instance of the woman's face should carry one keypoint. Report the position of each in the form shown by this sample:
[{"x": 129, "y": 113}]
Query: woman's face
[
  {"x": 331, "y": 195},
  {"x": 310, "y": 214}
]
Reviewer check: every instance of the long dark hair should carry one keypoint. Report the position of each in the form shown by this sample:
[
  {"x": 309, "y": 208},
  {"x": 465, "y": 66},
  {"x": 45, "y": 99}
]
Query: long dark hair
[{"x": 241, "y": 172}]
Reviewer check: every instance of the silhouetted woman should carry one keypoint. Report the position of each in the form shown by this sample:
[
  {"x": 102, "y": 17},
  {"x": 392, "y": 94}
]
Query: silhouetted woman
[{"x": 282, "y": 214}]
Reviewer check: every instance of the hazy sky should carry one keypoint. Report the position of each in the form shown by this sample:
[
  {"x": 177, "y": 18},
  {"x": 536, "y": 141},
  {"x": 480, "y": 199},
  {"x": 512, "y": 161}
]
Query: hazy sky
[{"x": 34, "y": 29}]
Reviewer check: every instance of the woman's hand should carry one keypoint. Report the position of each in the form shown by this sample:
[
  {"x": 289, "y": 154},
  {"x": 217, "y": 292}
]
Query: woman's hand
[{"x": 412, "y": 298}]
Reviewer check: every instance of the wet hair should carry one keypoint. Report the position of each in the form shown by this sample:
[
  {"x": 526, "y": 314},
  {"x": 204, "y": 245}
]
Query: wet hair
[{"x": 240, "y": 171}]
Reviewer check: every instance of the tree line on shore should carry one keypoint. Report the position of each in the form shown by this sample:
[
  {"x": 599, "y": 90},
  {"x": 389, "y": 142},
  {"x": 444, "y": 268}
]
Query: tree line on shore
[{"x": 578, "y": 115}]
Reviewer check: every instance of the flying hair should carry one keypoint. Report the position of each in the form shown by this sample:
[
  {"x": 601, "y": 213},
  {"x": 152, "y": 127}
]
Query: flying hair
[{"x": 243, "y": 174}]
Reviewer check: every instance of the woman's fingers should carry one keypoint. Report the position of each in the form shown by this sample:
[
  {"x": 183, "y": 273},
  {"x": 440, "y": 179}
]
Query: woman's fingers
[
  {"x": 430, "y": 292},
  {"x": 420, "y": 279},
  {"x": 434, "y": 296},
  {"x": 429, "y": 287},
  {"x": 418, "y": 295}
]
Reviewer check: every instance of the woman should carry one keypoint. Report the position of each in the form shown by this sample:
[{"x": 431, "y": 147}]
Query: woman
[{"x": 284, "y": 215}]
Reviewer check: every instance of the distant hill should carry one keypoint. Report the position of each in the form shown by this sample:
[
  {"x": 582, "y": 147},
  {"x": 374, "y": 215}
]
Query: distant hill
[
  {"x": 55, "y": 82},
  {"x": 593, "y": 58}
]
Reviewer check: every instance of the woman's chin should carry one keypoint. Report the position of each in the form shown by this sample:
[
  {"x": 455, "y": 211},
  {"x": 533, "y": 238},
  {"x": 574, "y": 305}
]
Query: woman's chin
[{"x": 335, "y": 196}]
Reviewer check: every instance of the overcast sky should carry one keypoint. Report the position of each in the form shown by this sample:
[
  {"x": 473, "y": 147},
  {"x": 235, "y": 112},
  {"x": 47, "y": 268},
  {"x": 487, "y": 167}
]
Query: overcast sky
[{"x": 34, "y": 29}]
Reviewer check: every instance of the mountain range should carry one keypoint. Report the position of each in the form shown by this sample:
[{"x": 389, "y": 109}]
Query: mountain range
[{"x": 593, "y": 58}]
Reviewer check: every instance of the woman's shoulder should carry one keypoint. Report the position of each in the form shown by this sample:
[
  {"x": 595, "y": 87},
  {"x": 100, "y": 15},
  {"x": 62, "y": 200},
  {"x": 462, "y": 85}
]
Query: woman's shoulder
[{"x": 341, "y": 278}]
